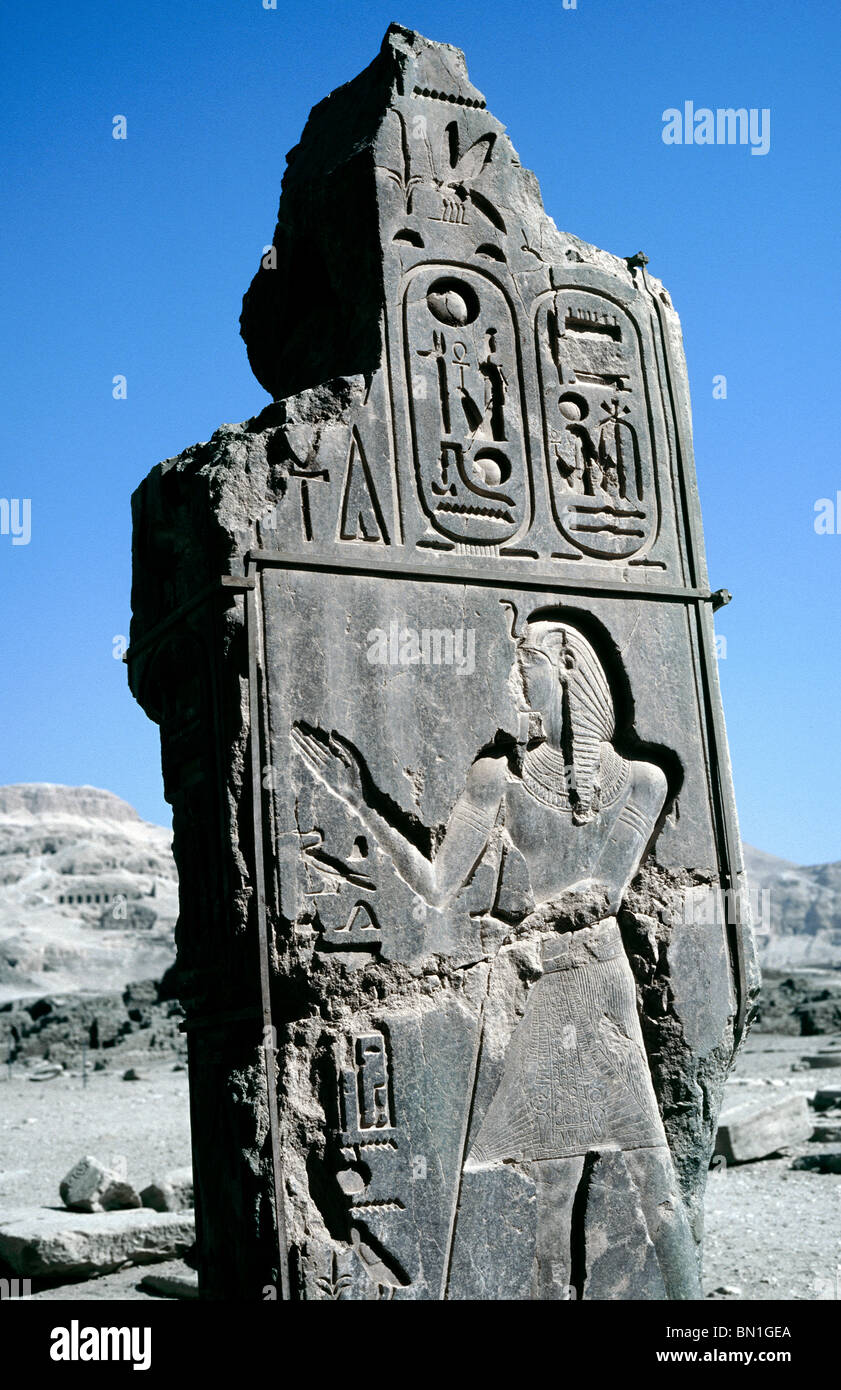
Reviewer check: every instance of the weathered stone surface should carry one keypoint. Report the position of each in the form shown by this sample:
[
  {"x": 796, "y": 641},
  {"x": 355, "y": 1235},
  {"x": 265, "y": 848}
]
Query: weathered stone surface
[
  {"x": 759, "y": 1128},
  {"x": 91, "y": 1186},
  {"x": 462, "y": 945},
  {"x": 820, "y": 1060},
  {"x": 173, "y": 1192},
  {"x": 50, "y": 1244},
  {"x": 620, "y": 1260}
]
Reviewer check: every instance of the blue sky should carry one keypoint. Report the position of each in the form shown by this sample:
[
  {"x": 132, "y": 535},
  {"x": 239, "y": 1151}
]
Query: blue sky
[{"x": 131, "y": 257}]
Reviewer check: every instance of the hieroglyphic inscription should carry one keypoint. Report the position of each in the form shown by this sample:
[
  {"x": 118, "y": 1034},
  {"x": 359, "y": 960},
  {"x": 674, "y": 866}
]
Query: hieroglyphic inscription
[
  {"x": 596, "y": 427},
  {"x": 466, "y": 404},
  {"x": 365, "y": 1087},
  {"x": 361, "y": 516}
]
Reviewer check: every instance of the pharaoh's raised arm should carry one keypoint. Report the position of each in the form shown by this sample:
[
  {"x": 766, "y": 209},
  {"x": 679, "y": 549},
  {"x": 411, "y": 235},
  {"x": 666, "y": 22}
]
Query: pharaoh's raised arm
[{"x": 336, "y": 764}]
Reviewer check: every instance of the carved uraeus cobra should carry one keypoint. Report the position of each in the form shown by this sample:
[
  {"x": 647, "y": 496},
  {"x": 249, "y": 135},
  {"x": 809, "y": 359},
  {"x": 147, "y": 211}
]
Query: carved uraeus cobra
[{"x": 579, "y": 816}]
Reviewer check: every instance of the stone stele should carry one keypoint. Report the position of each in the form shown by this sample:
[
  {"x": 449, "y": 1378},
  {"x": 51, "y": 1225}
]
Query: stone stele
[{"x": 462, "y": 945}]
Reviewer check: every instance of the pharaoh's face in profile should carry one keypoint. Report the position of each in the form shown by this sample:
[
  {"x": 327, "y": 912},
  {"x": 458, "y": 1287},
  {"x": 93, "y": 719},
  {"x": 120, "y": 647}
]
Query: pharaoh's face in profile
[
  {"x": 554, "y": 660},
  {"x": 534, "y": 680}
]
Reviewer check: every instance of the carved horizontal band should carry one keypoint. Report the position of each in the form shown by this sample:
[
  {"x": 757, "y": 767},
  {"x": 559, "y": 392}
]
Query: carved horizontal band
[{"x": 482, "y": 578}]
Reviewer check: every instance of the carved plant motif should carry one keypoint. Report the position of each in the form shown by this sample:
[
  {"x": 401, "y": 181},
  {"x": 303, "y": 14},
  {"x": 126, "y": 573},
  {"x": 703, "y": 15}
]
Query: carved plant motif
[
  {"x": 334, "y": 1284},
  {"x": 406, "y": 181}
]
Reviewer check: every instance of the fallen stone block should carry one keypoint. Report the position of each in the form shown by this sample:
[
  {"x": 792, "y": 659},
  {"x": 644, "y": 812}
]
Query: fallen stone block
[
  {"x": 90, "y": 1186},
  {"x": 48, "y": 1071},
  {"x": 828, "y": 1098},
  {"x": 172, "y": 1286},
  {"x": 41, "y": 1243},
  {"x": 819, "y": 1163},
  {"x": 823, "y": 1059},
  {"x": 174, "y": 1192},
  {"x": 756, "y": 1129}
]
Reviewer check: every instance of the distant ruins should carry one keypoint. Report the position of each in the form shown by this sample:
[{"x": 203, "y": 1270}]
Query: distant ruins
[{"x": 430, "y": 643}]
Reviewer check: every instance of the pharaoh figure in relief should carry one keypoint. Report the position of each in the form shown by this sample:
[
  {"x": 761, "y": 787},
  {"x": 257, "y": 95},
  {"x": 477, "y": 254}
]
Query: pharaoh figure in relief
[{"x": 568, "y": 819}]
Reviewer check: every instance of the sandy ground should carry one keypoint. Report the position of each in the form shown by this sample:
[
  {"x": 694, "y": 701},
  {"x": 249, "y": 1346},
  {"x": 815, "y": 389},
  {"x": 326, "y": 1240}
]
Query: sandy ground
[
  {"x": 771, "y": 1233},
  {"x": 49, "y": 1125}
]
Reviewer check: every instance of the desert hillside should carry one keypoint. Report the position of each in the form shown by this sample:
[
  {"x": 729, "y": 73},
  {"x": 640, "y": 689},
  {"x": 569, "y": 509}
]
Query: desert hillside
[
  {"x": 88, "y": 892},
  {"x": 799, "y": 911}
]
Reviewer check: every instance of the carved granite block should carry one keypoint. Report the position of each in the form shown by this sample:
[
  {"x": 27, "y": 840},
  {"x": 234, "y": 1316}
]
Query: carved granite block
[{"x": 462, "y": 945}]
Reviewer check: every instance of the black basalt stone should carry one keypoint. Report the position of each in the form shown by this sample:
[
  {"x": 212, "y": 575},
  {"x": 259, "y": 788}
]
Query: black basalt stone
[{"x": 462, "y": 945}]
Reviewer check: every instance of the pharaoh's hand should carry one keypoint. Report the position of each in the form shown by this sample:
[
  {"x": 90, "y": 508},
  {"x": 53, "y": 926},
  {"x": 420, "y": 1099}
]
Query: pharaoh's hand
[{"x": 331, "y": 760}]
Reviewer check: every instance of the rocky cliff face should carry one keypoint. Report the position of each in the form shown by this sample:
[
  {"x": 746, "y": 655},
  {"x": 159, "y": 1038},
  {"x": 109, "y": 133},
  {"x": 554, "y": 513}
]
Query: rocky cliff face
[
  {"x": 88, "y": 892},
  {"x": 797, "y": 909}
]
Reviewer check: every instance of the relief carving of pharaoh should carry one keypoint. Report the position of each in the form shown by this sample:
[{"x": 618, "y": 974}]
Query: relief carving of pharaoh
[{"x": 570, "y": 819}]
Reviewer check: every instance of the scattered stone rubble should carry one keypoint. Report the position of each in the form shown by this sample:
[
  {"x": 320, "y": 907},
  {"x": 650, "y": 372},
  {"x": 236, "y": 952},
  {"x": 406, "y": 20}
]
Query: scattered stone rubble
[
  {"x": 106, "y": 1225},
  {"x": 803, "y": 1004},
  {"x": 819, "y": 1163},
  {"x": 755, "y": 1129},
  {"x": 91, "y": 1186},
  {"x": 58, "y": 1031},
  {"x": 768, "y": 1126},
  {"x": 173, "y": 1192}
]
